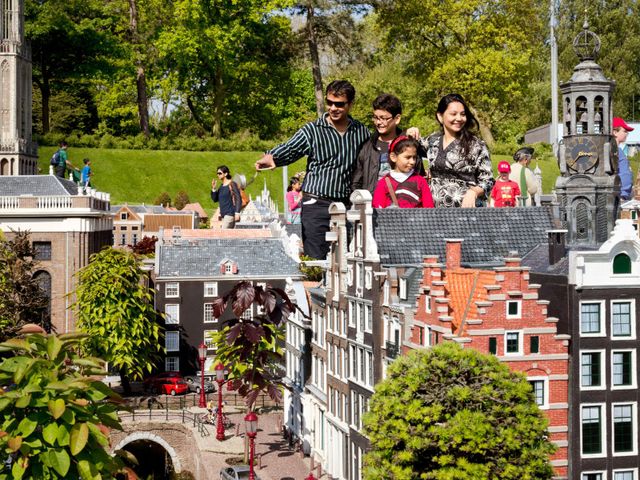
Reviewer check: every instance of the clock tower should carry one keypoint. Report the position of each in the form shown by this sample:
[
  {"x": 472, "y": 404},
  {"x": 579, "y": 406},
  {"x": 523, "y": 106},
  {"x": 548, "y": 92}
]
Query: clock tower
[{"x": 588, "y": 187}]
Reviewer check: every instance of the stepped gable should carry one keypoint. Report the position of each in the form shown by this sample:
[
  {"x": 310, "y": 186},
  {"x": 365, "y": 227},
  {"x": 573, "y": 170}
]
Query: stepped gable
[
  {"x": 262, "y": 257},
  {"x": 406, "y": 236},
  {"x": 36, "y": 185}
]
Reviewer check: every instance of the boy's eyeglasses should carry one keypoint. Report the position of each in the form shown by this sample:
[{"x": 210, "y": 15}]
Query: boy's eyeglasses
[
  {"x": 375, "y": 119},
  {"x": 331, "y": 103}
]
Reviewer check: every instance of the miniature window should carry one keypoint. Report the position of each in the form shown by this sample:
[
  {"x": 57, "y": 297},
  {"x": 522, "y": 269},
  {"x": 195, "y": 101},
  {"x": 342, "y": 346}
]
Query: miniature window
[
  {"x": 123, "y": 239},
  {"x": 592, "y": 430},
  {"x": 209, "y": 339},
  {"x": 420, "y": 335},
  {"x": 368, "y": 278},
  {"x": 621, "y": 264},
  {"x": 172, "y": 289},
  {"x": 427, "y": 303},
  {"x": 172, "y": 341},
  {"x": 493, "y": 345},
  {"x": 622, "y": 320},
  {"x": 211, "y": 289},
  {"x": 512, "y": 341},
  {"x": 624, "y": 474},
  {"x": 228, "y": 267},
  {"x": 123, "y": 216},
  {"x": 534, "y": 344},
  {"x": 591, "y": 318},
  {"x": 592, "y": 476},
  {"x": 623, "y": 369},
  {"x": 385, "y": 293},
  {"x": 591, "y": 370},
  {"x": 171, "y": 314},
  {"x": 402, "y": 289},
  {"x": 134, "y": 239},
  {"x": 540, "y": 391},
  {"x": 513, "y": 309},
  {"x": 369, "y": 318},
  {"x": 172, "y": 364}
]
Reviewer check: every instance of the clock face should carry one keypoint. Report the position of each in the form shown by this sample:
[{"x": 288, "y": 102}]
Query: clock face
[{"x": 582, "y": 154}]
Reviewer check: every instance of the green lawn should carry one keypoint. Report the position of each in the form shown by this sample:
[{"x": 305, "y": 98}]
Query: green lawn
[{"x": 138, "y": 176}]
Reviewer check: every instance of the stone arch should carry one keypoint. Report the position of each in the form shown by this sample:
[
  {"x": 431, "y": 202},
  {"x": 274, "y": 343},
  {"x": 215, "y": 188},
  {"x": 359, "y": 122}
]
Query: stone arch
[
  {"x": 152, "y": 437},
  {"x": 4, "y": 166}
]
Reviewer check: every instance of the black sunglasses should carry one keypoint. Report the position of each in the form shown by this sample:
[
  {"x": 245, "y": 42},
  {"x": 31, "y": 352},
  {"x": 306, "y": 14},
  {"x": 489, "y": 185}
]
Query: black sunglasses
[{"x": 331, "y": 103}]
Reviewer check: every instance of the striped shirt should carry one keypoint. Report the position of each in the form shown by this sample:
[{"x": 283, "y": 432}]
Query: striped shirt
[{"x": 331, "y": 157}]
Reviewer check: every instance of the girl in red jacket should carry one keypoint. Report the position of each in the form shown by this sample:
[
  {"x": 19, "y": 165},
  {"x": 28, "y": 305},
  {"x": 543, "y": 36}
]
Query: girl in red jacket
[{"x": 402, "y": 187}]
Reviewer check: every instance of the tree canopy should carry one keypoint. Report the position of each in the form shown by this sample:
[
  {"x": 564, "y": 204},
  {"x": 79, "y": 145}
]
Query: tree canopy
[
  {"x": 115, "y": 308},
  {"x": 453, "y": 413}
]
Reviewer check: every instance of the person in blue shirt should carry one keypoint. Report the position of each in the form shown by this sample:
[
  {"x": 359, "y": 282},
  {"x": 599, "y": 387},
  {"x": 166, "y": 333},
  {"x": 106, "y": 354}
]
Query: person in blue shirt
[
  {"x": 228, "y": 196},
  {"x": 620, "y": 132},
  {"x": 86, "y": 173}
]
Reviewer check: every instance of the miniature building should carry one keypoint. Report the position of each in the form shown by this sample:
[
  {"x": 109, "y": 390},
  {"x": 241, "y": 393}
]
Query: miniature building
[
  {"x": 588, "y": 187},
  {"x": 18, "y": 153},
  {"x": 66, "y": 227},
  {"x": 131, "y": 223}
]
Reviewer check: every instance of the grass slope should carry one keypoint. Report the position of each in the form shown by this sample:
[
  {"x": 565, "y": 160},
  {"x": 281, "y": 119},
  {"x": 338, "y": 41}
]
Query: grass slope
[{"x": 139, "y": 176}]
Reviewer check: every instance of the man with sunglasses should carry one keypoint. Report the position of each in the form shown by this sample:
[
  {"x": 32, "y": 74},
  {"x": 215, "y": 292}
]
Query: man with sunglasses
[{"x": 331, "y": 145}]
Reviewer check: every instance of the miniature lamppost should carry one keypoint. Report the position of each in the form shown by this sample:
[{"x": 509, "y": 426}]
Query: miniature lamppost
[
  {"x": 220, "y": 374},
  {"x": 202, "y": 353},
  {"x": 251, "y": 425}
]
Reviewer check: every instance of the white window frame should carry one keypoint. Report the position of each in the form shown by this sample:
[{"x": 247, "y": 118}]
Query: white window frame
[
  {"x": 427, "y": 304},
  {"x": 368, "y": 278},
  {"x": 368, "y": 317},
  {"x": 386, "y": 292},
  {"x": 545, "y": 386},
  {"x": 634, "y": 374},
  {"x": 632, "y": 319},
  {"x": 209, "y": 341},
  {"x": 603, "y": 475},
  {"x": 172, "y": 358},
  {"x": 205, "y": 308},
  {"x": 634, "y": 431},
  {"x": 402, "y": 288},
  {"x": 603, "y": 373},
  {"x": 123, "y": 216},
  {"x": 175, "y": 335},
  {"x": 520, "y": 343},
  {"x": 170, "y": 319},
  {"x": 210, "y": 289},
  {"x": 518, "y": 313},
  {"x": 603, "y": 430},
  {"x": 603, "y": 322},
  {"x": 634, "y": 471},
  {"x": 168, "y": 290}
]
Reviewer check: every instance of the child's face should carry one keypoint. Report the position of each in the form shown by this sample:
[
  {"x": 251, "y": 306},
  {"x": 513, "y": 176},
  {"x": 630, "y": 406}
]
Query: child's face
[
  {"x": 384, "y": 122},
  {"x": 405, "y": 161},
  {"x": 504, "y": 176}
]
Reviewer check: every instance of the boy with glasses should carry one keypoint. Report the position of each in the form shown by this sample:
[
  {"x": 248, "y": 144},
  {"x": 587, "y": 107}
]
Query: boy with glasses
[
  {"x": 330, "y": 144},
  {"x": 373, "y": 159}
]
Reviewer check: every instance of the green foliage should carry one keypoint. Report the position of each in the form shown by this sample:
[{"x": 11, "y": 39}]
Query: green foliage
[
  {"x": 453, "y": 413},
  {"x": 115, "y": 309},
  {"x": 54, "y": 415},
  {"x": 312, "y": 274},
  {"x": 163, "y": 199},
  {"x": 182, "y": 198},
  {"x": 22, "y": 300}
]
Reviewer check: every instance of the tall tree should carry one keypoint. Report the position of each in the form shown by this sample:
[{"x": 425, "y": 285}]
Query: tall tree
[
  {"x": 115, "y": 308},
  {"x": 479, "y": 48},
  {"x": 449, "y": 412},
  {"x": 54, "y": 413},
  {"x": 22, "y": 300}
]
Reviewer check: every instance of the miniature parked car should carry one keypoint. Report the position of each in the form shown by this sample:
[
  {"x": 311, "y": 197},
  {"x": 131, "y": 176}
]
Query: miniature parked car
[
  {"x": 194, "y": 383},
  {"x": 173, "y": 386},
  {"x": 239, "y": 472},
  {"x": 155, "y": 383}
]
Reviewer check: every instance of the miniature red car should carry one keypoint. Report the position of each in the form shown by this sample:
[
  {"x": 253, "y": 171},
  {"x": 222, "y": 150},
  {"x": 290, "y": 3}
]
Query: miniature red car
[{"x": 168, "y": 383}]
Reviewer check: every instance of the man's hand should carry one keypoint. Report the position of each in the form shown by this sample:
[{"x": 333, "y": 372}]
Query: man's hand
[
  {"x": 413, "y": 132},
  {"x": 266, "y": 162}
]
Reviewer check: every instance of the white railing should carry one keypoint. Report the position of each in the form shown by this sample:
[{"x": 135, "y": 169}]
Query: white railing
[
  {"x": 54, "y": 202},
  {"x": 8, "y": 203}
]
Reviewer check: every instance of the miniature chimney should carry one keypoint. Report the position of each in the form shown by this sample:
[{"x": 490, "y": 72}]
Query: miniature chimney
[
  {"x": 557, "y": 245},
  {"x": 454, "y": 252}
]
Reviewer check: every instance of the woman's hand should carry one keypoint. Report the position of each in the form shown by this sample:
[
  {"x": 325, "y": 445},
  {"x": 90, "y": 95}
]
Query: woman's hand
[{"x": 469, "y": 199}]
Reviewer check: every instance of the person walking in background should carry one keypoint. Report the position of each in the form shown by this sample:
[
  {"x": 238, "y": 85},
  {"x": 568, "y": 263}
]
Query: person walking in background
[
  {"x": 330, "y": 144},
  {"x": 620, "y": 132},
  {"x": 86, "y": 173},
  {"x": 459, "y": 162},
  {"x": 523, "y": 176},
  {"x": 294, "y": 200},
  {"x": 505, "y": 192},
  {"x": 63, "y": 162},
  {"x": 373, "y": 159},
  {"x": 403, "y": 187},
  {"x": 228, "y": 196}
]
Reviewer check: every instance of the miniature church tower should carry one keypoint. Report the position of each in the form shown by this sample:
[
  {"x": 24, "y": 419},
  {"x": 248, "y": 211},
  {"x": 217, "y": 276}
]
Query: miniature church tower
[
  {"x": 18, "y": 154},
  {"x": 588, "y": 188}
]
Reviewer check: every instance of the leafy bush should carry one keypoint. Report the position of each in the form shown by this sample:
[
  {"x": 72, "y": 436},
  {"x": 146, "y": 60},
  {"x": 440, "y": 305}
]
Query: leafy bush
[
  {"x": 182, "y": 198},
  {"x": 163, "y": 199}
]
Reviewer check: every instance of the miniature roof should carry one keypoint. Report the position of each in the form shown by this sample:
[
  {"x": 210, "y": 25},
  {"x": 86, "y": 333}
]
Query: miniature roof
[
  {"x": 193, "y": 233},
  {"x": 148, "y": 209},
  {"x": 36, "y": 185},
  {"x": 406, "y": 236},
  {"x": 264, "y": 258},
  {"x": 196, "y": 207},
  {"x": 465, "y": 287}
]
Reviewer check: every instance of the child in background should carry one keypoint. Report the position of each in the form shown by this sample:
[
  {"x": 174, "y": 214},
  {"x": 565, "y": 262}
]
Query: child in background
[
  {"x": 294, "y": 200},
  {"x": 86, "y": 173},
  {"x": 403, "y": 187},
  {"x": 505, "y": 192}
]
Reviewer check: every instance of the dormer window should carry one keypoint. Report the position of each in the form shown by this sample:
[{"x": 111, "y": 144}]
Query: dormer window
[
  {"x": 402, "y": 293},
  {"x": 621, "y": 264},
  {"x": 123, "y": 216},
  {"x": 228, "y": 267}
]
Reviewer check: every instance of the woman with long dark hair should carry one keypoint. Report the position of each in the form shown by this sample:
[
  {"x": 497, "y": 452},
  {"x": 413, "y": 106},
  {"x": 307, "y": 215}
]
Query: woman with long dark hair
[
  {"x": 228, "y": 195},
  {"x": 459, "y": 161}
]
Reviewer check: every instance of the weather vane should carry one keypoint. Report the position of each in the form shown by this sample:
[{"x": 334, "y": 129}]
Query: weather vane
[{"x": 586, "y": 44}]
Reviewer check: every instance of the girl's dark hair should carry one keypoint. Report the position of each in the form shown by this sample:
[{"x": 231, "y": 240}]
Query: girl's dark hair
[
  {"x": 292, "y": 182},
  {"x": 466, "y": 135},
  {"x": 224, "y": 169},
  {"x": 401, "y": 143}
]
